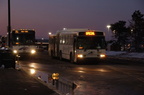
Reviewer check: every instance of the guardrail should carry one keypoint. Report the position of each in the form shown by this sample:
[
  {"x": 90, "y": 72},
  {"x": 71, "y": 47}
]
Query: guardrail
[{"x": 60, "y": 85}]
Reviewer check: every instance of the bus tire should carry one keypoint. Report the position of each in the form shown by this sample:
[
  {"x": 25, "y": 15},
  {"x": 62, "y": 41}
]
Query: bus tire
[
  {"x": 71, "y": 58},
  {"x": 80, "y": 62},
  {"x": 60, "y": 55},
  {"x": 52, "y": 55}
]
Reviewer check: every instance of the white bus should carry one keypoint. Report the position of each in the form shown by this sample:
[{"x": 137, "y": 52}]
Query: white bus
[
  {"x": 77, "y": 45},
  {"x": 23, "y": 41}
]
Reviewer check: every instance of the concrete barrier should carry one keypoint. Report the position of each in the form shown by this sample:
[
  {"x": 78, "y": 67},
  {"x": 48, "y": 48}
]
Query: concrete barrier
[{"x": 61, "y": 85}]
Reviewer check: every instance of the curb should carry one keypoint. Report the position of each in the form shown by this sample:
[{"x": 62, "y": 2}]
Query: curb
[{"x": 60, "y": 86}]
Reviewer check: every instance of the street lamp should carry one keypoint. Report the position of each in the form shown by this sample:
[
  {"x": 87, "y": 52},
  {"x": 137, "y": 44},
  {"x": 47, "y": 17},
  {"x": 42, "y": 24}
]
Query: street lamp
[
  {"x": 49, "y": 33},
  {"x": 108, "y": 27}
]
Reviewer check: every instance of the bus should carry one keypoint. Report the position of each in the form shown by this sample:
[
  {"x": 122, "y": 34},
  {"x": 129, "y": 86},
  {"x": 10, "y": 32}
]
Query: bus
[
  {"x": 23, "y": 41},
  {"x": 77, "y": 45}
]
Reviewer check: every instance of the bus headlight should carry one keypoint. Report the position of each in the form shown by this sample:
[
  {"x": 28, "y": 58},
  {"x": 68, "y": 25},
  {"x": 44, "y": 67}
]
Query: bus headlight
[
  {"x": 33, "y": 51},
  {"x": 102, "y": 55},
  {"x": 80, "y": 56},
  {"x": 15, "y": 51}
]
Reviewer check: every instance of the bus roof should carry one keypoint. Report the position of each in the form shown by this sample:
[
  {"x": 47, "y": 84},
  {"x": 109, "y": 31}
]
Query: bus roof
[
  {"x": 23, "y": 29},
  {"x": 75, "y": 31},
  {"x": 72, "y": 30}
]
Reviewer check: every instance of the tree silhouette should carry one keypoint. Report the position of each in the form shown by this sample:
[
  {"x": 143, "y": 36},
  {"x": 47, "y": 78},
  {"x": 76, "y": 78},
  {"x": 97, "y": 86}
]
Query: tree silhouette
[
  {"x": 137, "y": 29},
  {"x": 120, "y": 32}
]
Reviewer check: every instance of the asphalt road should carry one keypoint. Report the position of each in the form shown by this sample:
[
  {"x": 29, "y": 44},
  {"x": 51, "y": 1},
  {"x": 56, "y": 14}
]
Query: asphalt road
[{"x": 109, "y": 77}]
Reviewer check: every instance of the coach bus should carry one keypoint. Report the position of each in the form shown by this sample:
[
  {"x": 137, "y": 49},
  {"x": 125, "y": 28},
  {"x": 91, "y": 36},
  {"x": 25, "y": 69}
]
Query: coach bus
[
  {"x": 23, "y": 41},
  {"x": 77, "y": 45}
]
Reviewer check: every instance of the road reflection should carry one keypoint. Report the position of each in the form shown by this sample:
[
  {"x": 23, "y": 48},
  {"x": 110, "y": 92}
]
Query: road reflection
[
  {"x": 33, "y": 65},
  {"x": 32, "y": 71},
  {"x": 102, "y": 70},
  {"x": 84, "y": 70}
]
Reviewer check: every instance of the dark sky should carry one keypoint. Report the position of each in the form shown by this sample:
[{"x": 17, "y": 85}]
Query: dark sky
[{"x": 51, "y": 15}]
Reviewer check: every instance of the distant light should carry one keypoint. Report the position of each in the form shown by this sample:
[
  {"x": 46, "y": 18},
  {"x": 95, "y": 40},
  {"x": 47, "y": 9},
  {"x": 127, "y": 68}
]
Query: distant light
[
  {"x": 64, "y": 28},
  {"x": 108, "y": 26},
  {"x": 49, "y": 33}
]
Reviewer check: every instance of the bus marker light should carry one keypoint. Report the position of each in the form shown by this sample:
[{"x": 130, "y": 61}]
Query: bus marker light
[
  {"x": 16, "y": 43},
  {"x": 80, "y": 47}
]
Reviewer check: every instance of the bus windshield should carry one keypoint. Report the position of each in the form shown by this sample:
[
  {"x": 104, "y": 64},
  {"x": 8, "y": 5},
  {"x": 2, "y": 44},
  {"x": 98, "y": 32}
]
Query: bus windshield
[
  {"x": 23, "y": 38},
  {"x": 91, "y": 43}
]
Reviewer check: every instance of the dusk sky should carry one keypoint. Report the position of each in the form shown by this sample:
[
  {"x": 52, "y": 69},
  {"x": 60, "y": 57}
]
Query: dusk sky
[{"x": 51, "y": 15}]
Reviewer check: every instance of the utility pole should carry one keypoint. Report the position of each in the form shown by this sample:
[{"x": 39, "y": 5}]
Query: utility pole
[{"x": 9, "y": 25}]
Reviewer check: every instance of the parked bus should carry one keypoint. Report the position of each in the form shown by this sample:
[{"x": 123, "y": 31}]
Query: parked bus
[
  {"x": 77, "y": 45},
  {"x": 23, "y": 41}
]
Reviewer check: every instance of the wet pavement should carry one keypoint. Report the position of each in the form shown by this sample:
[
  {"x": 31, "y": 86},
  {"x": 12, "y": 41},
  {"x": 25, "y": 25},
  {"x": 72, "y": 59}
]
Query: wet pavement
[{"x": 17, "y": 82}]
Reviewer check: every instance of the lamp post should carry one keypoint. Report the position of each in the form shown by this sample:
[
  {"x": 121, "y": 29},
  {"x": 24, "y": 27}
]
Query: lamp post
[
  {"x": 108, "y": 26},
  {"x": 9, "y": 24}
]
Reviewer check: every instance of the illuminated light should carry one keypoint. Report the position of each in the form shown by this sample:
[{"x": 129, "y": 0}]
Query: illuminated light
[
  {"x": 33, "y": 51},
  {"x": 64, "y": 28},
  {"x": 90, "y": 33},
  {"x": 16, "y": 31},
  {"x": 60, "y": 41},
  {"x": 17, "y": 56},
  {"x": 15, "y": 51},
  {"x": 63, "y": 41},
  {"x": 102, "y": 55},
  {"x": 26, "y": 31},
  {"x": 49, "y": 33},
  {"x": 32, "y": 71},
  {"x": 80, "y": 56},
  {"x": 16, "y": 43},
  {"x": 108, "y": 26},
  {"x": 22, "y": 31},
  {"x": 55, "y": 76},
  {"x": 16, "y": 61},
  {"x": 17, "y": 38},
  {"x": 80, "y": 47}
]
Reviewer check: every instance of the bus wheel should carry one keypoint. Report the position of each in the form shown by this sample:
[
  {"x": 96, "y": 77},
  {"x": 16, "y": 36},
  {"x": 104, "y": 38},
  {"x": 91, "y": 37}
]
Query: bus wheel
[
  {"x": 60, "y": 55},
  {"x": 52, "y": 55},
  {"x": 79, "y": 62},
  {"x": 71, "y": 58}
]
